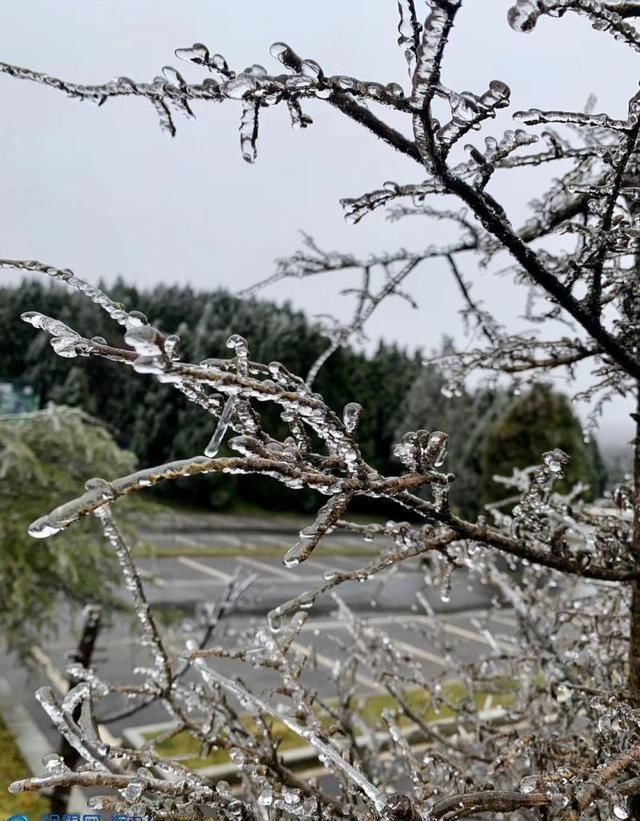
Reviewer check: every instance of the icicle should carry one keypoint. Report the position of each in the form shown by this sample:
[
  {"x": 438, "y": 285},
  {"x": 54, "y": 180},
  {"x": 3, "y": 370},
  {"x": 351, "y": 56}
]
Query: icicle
[
  {"x": 434, "y": 31},
  {"x": 298, "y": 118},
  {"x": 223, "y": 423},
  {"x": 239, "y": 345},
  {"x": 164, "y": 115},
  {"x": 249, "y": 130},
  {"x": 232, "y": 405},
  {"x": 421, "y": 451}
]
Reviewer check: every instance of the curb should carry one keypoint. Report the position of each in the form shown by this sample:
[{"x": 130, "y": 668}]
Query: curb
[{"x": 31, "y": 741}]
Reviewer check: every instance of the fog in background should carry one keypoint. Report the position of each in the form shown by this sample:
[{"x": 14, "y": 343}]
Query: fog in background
[{"x": 105, "y": 192}]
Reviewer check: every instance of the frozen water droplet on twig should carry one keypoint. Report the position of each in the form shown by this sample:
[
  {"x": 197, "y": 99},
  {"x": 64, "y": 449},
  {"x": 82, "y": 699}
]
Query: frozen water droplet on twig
[
  {"x": 351, "y": 416},
  {"x": 198, "y": 54},
  {"x": 285, "y": 55}
]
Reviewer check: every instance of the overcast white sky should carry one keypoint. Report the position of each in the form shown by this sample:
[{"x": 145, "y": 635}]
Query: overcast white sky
[{"x": 105, "y": 192}]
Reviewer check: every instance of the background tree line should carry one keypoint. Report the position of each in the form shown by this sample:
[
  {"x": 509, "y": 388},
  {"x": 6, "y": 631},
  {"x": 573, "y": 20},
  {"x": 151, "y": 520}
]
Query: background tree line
[{"x": 397, "y": 391}]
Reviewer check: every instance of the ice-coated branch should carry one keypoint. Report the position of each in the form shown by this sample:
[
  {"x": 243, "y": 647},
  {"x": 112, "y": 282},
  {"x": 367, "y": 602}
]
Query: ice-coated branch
[
  {"x": 340, "y": 475},
  {"x": 524, "y": 15},
  {"x": 426, "y": 76},
  {"x": 493, "y": 801},
  {"x": 100, "y": 492},
  {"x": 151, "y": 635},
  {"x": 514, "y": 354},
  {"x": 409, "y": 543},
  {"x": 326, "y": 752},
  {"x": 223, "y": 606},
  {"x": 255, "y": 88},
  {"x": 409, "y": 29}
]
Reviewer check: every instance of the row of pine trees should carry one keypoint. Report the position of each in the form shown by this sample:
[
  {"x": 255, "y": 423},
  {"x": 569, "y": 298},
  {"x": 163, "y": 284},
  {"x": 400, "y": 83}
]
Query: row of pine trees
[{"x": 490, "y": 430}]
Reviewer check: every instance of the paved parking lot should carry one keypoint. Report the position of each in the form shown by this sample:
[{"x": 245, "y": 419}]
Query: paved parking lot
[{"x": 175, "y": 584}]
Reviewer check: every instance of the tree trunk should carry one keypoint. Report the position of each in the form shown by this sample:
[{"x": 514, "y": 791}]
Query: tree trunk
[{"x": 634, "y": 628}]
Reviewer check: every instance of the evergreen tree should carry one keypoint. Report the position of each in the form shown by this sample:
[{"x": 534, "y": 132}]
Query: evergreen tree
[
  {"x": 538, "y": 421},
  {"x": 427, "y": 408},
  {"x": 156, "y": 422},
  {"x": 44, "y": 457}
]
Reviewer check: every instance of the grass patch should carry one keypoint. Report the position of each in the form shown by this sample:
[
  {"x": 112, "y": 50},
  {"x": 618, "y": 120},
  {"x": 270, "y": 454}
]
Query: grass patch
[
  {"x": 13, "y": 768},
  {"x": 419, "y": 700},
  {"x": 149, "y": 551},
  {"x": 185, "y": 747}
]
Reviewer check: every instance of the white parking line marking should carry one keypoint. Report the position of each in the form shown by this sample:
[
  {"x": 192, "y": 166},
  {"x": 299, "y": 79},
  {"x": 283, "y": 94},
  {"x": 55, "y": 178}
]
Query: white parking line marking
[
  {"x": 334, "y": 624},
  {"x": 329, "y": 624},
  {"x": 504, "y": 619},
  {"x": 53, "y": 674},
  {"x": 420, "y": 653},
  {"x": 205, "y": 568},
  {"x": 471, "y": 636}
]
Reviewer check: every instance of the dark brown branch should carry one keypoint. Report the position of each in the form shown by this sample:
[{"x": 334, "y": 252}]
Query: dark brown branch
[
  {"x": 495, "y": 223},
  {"x": 462, "y": 285},
  {"x": 458, "y": 806},
  {"x": 594, "y": 296},
  {"x": 586, "y": 795},
  {"x": 629, "y": 9},
  {"x": 385, "y": 132}
]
